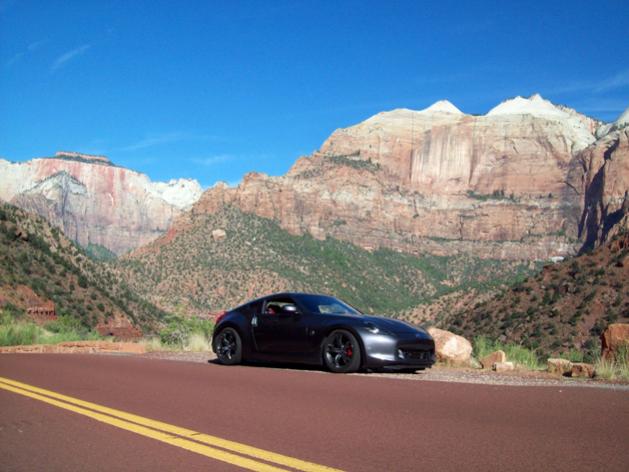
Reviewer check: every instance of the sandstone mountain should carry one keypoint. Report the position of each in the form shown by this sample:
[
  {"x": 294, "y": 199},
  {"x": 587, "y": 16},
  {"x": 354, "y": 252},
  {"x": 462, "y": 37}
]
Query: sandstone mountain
[
  {"x": 95, "y": 202},
  {"x": 600, "y": 177},
  {"x": 39, "y": 265},
  {"x": 509, "y": 184},
  {"x": 214, "y": 261}
]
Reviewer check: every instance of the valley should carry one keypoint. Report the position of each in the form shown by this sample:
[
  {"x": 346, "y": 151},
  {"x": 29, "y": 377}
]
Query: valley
[{"x": 431, "y": 216}]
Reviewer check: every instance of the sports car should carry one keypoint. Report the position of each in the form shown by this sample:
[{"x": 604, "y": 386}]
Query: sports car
[{"x": 319, "y": 330}]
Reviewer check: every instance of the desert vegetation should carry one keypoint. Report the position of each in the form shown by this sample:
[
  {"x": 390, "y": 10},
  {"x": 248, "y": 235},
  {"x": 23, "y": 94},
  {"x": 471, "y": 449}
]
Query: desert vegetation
[
  {"x": 257, "y": 257},
  {"x": 559, "y": 312},
  {"x": 16, "y": 329},
  {"x": 38, "y": 263}
]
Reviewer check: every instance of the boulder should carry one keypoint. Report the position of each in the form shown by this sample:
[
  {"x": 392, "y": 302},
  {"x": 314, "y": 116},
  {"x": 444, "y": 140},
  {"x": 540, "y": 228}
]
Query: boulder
[
  {"x": 503, "y": 366},
  {"x": 451, "y": 348},
  {"x": 219, "y": 234},
  {"x": 581, "y": 369},
  {"x": 614, "y": 339},
  {"x": 559, "y": 366},
  {"x": 489, "y": 360}
]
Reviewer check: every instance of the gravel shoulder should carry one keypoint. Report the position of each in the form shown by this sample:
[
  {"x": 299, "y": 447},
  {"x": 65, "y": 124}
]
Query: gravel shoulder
[{"x": 439, "y": 373}]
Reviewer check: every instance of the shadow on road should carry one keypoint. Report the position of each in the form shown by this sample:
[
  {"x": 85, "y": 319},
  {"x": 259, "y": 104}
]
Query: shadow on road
[{"x": 307, "y": 367}]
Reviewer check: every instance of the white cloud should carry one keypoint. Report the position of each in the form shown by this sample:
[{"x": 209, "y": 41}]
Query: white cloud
[
  {"x": 156, "y": 140},
  {"x": 36, "y": 45},
  {"x": 16, "y": 57},
  {"x": 167, "y": 138},
  {"x": 68, "y": 56},
  {"x": 212, "y": 160},
  {"x": 31, "y": 48},
  {"x": 616, "y": 81},
  {"x": 619, "y": 80}
]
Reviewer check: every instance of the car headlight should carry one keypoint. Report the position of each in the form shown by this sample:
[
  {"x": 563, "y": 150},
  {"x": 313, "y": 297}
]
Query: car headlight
[{"x": 373, "y": 329}]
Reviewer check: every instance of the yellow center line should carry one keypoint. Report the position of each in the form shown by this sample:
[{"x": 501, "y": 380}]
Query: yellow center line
[{"x": 157, "y": 430}]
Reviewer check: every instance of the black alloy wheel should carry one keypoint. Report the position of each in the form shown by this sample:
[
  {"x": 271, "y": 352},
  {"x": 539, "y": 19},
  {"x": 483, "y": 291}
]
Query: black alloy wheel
[
  {"x": 228, "y": 347},
  {"x": 341, "y": 352}
]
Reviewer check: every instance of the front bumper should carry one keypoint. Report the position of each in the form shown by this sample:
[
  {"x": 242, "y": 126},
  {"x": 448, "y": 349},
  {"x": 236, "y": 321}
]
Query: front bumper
[{"x": 404, "y": 351}]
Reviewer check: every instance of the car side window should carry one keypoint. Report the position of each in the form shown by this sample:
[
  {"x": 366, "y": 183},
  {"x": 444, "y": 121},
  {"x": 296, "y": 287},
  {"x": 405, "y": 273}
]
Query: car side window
[{"x": 276, "y": 305}]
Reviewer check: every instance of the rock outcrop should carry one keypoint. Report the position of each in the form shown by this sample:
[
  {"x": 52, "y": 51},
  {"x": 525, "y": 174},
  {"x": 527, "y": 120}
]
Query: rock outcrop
[
  {"x": 600, "y": 178},
  {"x": 505, "y": 185},
  {"x": 489, "y": 360},
  {"x": 94, "y": 201},
  {"x": 583, "y": 370},
  {"x": 503, "y": 367},
  {"x": 451, "y": 348},
  {"x": 615, "y": 341},
  {"x": 559, "y": 366}
]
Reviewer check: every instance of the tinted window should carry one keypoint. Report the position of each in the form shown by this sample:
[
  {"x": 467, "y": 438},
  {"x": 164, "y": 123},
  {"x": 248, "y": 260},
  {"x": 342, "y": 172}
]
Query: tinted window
[
  {"x": 276, "y": 305},
  {"x": 252, "y": 308},
  {"x": 324, "y": 305}
]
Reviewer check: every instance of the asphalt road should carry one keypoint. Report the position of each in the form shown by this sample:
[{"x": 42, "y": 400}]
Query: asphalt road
[{"x": 356, "y": 423}]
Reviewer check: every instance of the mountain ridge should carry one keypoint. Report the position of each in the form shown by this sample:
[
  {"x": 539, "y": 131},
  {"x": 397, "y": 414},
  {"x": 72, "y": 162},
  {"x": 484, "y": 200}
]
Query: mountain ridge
[
  {"x": 39, "y": 265},
  {"x": 435, "y": 180},
  {"x": 443, "y": 183},
  {"x": 98, "y": 202}
]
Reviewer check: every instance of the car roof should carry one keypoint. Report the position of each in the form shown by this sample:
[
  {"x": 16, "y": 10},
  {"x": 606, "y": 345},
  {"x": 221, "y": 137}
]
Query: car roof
[{"x": 280, "y": 294}]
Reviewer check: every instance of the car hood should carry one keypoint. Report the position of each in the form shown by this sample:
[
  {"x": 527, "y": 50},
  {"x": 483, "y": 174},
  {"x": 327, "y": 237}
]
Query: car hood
[{"x": 394, "y": 326}]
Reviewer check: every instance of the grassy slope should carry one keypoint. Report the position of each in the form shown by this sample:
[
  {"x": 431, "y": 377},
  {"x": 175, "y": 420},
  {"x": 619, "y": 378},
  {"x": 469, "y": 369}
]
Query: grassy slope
[
  {"x": 258, "y": 257},
  {"x": 36, "y": 256},
  {"x": 562, "y": 309}
]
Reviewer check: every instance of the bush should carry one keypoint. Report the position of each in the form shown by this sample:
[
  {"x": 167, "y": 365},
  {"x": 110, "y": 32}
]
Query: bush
[
  {"x": 519, "y": 354},
  {"x": 187, "y": 333},
  {"x": 18, "y": 334},
  {"x": 66, "y": 323},
  {"x": 15, "y": 333},
  {"x": 614, "y": 369}
]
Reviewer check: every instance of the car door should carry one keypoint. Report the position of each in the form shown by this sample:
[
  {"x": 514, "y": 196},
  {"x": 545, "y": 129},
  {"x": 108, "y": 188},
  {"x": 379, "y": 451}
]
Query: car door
[{"x": 277, "y": 331}]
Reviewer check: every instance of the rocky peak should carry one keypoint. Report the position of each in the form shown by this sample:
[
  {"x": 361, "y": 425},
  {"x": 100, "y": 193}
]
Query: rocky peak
[
  {"x": 442, "y": 106},
  {"x": 60, "y": 180},
  {"x": 445, "y": 182},
  {"x": 621, "y": 122},
  {"x": 623, "y": 119},
  {"x": 95, "y": 201},
  {"x": 82, "y": 157},
  {"x": 534, "y": 105}
]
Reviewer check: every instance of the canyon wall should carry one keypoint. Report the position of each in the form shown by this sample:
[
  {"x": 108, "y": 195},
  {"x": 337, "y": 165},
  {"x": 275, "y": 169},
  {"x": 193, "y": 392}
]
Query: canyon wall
[
  {"x": 94, "y": 201},
  {"x": 437, "y": 180}
]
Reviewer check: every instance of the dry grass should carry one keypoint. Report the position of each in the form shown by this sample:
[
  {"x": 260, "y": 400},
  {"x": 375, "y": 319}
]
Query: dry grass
[
  {"x": 153, "y": 344},
  {"x": 194, "y": 342},
  {"x": 197, "y": 342},
  {"x": 614, "y": 369}
]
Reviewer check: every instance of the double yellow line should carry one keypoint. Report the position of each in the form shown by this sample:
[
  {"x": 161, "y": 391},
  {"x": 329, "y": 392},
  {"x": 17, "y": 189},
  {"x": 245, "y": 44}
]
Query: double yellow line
[{"x": 242, "y": 455}]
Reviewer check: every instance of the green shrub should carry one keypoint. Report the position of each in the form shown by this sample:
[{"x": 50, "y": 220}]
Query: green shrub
[
  {"x": 17, "y": 334},
  {"x": 518, "y": 354},
  {"x": 182, "y": 333},
  {"x": 614, "y": 369}
]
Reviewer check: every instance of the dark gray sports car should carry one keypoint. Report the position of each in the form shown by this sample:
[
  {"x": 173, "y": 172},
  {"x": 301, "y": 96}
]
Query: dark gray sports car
[{"x": 321, "y": 330}]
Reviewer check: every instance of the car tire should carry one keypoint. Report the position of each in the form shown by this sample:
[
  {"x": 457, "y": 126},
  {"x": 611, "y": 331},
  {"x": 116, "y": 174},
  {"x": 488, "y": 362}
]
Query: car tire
[
  {"x": 341, "y": 352},
  {"x": 228, "y": 347}
]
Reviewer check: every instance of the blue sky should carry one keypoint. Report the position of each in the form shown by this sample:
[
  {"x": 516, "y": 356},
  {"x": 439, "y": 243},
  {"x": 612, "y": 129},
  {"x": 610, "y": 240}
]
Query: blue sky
[{"x": 212, "y": 90}]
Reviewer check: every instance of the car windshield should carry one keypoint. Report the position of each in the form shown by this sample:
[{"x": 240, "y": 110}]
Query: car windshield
[{"x": 324, "y": 305}]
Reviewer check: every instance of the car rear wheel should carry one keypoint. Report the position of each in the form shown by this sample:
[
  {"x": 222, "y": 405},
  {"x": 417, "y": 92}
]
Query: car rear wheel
[
  {"x": 341, "y": 352},
  {"x": 228, "y": 347}
]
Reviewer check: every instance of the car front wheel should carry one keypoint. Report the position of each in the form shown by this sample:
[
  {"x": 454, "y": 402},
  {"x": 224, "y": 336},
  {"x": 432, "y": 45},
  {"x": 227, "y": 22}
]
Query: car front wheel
[
  {"x": 341, "y": 352},
  {"x": 228, "y": 347}
]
